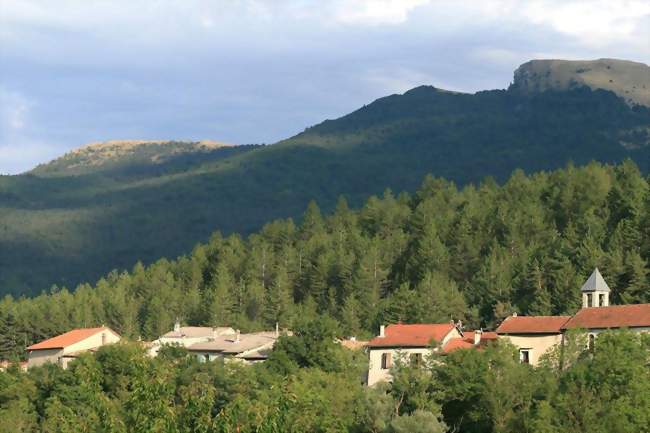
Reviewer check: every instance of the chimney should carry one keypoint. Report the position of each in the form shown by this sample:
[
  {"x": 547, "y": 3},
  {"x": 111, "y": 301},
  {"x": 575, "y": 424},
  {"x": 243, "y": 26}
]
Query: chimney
[
  {"x": 277, "y": 329},
  {"x": 103, "y": 338},
  {"x": 215, "y": 333},
  {"x": 382, "y": 331},
  {"x": 477, "y": 336},
  {"x": 177, "y": 325},
  {"x": 514, "y": 314},
  {"x": 237, "y": 335}
]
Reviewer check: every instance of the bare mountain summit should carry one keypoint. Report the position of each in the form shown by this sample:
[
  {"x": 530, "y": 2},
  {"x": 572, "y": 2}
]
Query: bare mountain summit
[
  {"x": 629, "y": 80},
  {"x": 113, "y": 153}
]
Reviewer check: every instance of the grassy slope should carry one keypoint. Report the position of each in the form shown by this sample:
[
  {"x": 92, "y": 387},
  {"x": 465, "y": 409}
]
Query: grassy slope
[{"x": 65, "y": 229}]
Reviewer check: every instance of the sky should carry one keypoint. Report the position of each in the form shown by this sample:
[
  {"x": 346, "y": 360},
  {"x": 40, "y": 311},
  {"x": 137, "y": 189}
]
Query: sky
[{"x": 258, "y": 71}]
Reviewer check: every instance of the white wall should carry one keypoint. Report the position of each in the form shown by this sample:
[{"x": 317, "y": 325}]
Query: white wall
[
  {"x": 377, "y": 374},
  {"x": 92, "y": 342},
  {"x": 40, "y": 357},
  {"x": 538, "y": 344}
]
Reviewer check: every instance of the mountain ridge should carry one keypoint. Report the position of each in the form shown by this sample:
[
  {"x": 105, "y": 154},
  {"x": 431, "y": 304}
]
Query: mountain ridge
[{"x": 76, "y": 225}]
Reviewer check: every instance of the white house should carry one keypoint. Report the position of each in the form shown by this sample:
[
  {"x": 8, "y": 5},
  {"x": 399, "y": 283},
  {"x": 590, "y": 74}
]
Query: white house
[
  {"x": 414, "y": 342},
  {"x": 186, "y": 336},
  {"x": 66, "y": 347},
  {"x": 535, "y": 335},
  {"x": 247, "y": 348}
]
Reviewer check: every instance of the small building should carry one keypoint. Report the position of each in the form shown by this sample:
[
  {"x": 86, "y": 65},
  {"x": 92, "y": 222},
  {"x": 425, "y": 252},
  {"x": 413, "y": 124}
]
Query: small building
[
  {"x": 532, "y": 335},
  {"x": 353, "y": 344},
  {"x": 535, "y": 335},
  {"x": 186, "y": 336},
  {"x": 66, "y": 347},
  {"x": 414, "y": 342},
  {"x": 635, "y": 317},
  {"x": 5, "y": 364},
  {"x": 247, "y": 348}
]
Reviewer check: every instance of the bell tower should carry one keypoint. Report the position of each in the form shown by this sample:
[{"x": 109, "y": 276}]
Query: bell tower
[{"x": 595, "y": 291}]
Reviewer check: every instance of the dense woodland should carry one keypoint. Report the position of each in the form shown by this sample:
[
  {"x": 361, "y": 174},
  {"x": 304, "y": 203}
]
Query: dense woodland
[
  {"x": 311, "y": 384},
  {"x": 475, "y": 254},
  {"x": 66, "y": 222}
]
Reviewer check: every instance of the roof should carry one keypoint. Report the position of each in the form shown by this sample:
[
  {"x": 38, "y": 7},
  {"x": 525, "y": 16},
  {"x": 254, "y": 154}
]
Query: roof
[
  {"x": 69, "y": 338},
  {"x": 417, "y": 335},
  {"x": 354, "y": 344},
  {"x": 198, "y": 332},
  {"x": 595, "y": 283},
  {"x": 227, "y": 344},
  {"x": 614, "y": 316},
  {"x": 532, "y": 324},
  {"x": 467, "y": 341}
]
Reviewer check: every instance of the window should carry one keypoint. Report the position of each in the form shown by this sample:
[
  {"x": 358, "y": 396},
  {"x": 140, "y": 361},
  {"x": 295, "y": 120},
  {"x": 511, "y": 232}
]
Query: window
[
  {"x": 591, "y": 342},
  {"x": 386, "y": 361},
  {"x": 416, "y": 359},
  {"x": 524, "y": 356},
  {"x": 601, "y": 300},
  {"x": 590, "y": 300}
]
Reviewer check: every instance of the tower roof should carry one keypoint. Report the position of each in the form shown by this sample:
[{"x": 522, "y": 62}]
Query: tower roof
[{"x": 595, "y": 283}]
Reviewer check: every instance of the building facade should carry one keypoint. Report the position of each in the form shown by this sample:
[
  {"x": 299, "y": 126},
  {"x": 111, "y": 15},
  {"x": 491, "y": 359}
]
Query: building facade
[
  {"x": 414, "y": 343},
  {"x": 245, "y": 348},
  {"x": 536, "y": 335},
  {"x": 65, "y": 347},
  {"x": 186, "y": 336}
]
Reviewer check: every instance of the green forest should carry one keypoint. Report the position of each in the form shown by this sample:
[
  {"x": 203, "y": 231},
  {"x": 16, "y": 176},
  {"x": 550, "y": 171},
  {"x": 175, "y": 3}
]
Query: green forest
[
  {"x": 312, "y": 384},
  {"x": 65, "y": 222},
  {"x": 476, "y": 254}
]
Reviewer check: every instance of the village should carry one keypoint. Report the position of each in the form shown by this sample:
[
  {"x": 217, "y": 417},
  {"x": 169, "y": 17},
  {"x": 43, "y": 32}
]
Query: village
[{"x": 533, "y": 336}]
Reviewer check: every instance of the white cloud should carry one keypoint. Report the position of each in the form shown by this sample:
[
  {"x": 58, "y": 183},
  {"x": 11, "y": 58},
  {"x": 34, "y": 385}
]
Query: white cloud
[
  {"x": 594, "y": 23},
  {"x": 375, "y": 12},
  {"x": 14, "y": 108},
  {"x": 261, "y": 70}
]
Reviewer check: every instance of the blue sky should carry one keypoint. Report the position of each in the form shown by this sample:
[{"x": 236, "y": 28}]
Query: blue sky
[{"x": 256, "y": 71}]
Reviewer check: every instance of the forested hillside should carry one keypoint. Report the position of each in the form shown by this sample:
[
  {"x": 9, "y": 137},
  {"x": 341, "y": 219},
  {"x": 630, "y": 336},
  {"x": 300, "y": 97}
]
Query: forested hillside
[
  {"x": 475, "y": 254},
  {"x": 64, "y": 224},
  {"x": 120, "y": 389}
]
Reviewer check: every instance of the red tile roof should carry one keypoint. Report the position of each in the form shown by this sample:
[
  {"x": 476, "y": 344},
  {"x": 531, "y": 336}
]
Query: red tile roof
[
  {"x": 457, "y": 343},
  {"x": 467, "y": 341},
  {"x": 68, "y": 339},
  {"x": 532, "y": 324},
  {"x": 614, "y": 316},
  {"x": 417, "y": 335}
]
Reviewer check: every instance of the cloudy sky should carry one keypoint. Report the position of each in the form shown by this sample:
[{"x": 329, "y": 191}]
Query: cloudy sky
[{"x": 256, "y": 71}]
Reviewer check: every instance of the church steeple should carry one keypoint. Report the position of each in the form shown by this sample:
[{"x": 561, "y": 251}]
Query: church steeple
[{"x": 595, "y": 291}]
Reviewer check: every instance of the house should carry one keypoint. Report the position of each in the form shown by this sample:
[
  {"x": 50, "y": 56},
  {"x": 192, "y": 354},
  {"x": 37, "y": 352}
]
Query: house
[
  {"x": 246, "y": 348},
  {"x": 186, "y": 336},
  {"x": 535, "y": 335},
  {"x": 5, "y": 364},
  {"x": 414, "y": 342},
  {"x": 532, "y": 335},
  {"x": 353, "y": 344},
  {"x": 66, "y": 347}
]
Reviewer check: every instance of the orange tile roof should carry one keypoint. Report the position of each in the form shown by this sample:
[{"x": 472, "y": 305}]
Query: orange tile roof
[
  {"x": 614, "y": 316},
  {"x": 416, "y": 335},
  {"x": 467, "y": 341},
  {"x": 532, "y": 324},
  {"x": 457, "y": 343},
  {"x": 68, "y": 339}
]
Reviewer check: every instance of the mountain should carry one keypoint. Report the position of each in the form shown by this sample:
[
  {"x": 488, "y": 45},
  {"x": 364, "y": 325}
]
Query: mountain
[
  {"x": 78, "y": 217},
  {"x": 125, "y": 155},
  {"x": 629, "y": 80}
]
